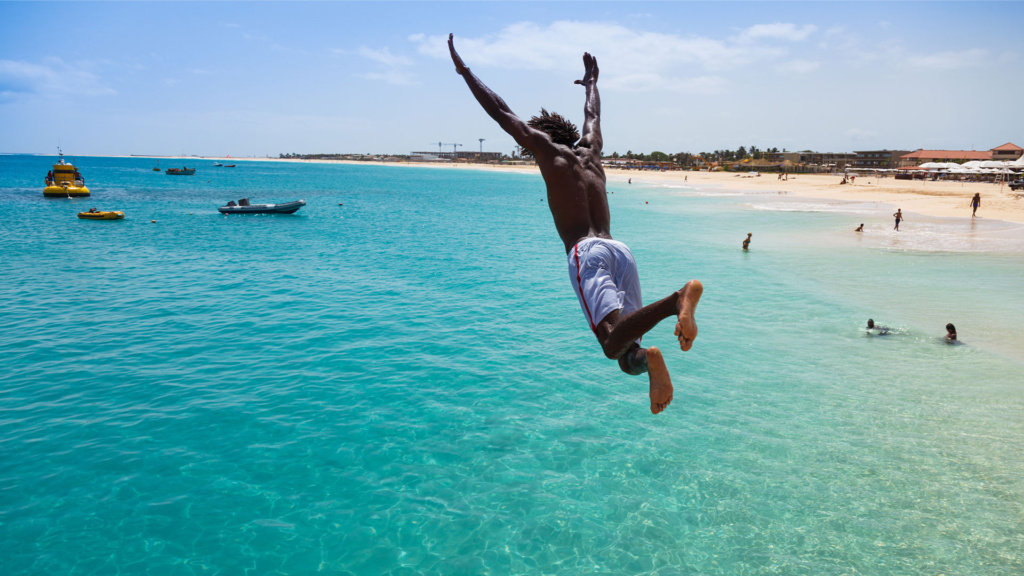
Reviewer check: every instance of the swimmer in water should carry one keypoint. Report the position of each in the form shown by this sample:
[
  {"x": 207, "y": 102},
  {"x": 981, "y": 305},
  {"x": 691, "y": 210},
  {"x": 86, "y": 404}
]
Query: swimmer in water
[
  {"x": 950, "y": 333},
  {"x": 860, "y": 228},
  {"x": 602, "y": 271},
  {"x": 877, "y": 329},
  {"x": 746, "y": 243}
]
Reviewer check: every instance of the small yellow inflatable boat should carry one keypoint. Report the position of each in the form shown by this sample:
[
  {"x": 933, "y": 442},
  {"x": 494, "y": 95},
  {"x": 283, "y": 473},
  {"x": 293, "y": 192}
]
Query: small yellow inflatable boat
[
  {"x": 100, "y": 215},
  {"x": 64, "y": 181}
]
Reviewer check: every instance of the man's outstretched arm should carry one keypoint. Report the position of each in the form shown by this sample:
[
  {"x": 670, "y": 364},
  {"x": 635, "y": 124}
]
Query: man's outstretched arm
[
  {"x": 497, "y": 108},
  {"x": 592, "y": 107}
]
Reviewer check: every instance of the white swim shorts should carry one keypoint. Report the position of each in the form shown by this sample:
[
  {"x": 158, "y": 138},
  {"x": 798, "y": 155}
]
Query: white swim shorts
[{"x": 603, "y": 274}]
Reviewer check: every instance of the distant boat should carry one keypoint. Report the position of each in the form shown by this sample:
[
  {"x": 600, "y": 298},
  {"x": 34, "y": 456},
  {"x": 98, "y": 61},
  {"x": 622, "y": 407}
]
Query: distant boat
[
  {"x": 94, "y": 214},
  {"x": 230, "y": 166},
  {"x": 64, "y": 181},
  {"x": 243, "y": 207},
  {"x": 157, "y": 169},
  {"x": 217, "y": 164},
  {"x": 181, "y": 171}
]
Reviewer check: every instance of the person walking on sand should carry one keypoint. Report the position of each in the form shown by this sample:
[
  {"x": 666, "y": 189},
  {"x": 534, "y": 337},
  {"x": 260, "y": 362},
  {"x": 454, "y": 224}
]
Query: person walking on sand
[
  {"x": 899, "y": 218},
  {"x": 602, "y": 271},
  {"x": 975, "y": 202},
  {"x": 746, "y": 242}
]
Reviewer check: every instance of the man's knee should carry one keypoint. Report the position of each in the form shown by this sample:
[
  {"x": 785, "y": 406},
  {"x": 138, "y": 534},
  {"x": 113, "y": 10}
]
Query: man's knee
[
  {"x": 611, "y": 353},
  {"x": 612, "y": 350},
  {"x": 634, "y": 361}
]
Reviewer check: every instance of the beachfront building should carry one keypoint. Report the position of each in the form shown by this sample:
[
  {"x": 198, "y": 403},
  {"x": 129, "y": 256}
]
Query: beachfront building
[
  {"x": 780, "y": 157},
  {"x": 878, "y": 158},
  {"x": 423, "y": 157},
  {"x": 836, "y": 160},
  {"x": 633, "y": 164},
  {"x": 464, "y": 156},
  {"x": 918, "y": 157},
  {"x": 1007, "y": 152}
]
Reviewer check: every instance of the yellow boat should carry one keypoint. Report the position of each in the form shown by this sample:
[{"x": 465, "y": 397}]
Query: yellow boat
[
  {"x": 100, "y": 215},
  {"x": 64, "y": 181}
]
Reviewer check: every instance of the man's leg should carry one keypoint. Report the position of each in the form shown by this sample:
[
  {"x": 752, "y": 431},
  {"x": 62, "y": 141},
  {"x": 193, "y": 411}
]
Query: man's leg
[
  {"x": 638, "y": 360},
  {"x": 618, "y": 334}
]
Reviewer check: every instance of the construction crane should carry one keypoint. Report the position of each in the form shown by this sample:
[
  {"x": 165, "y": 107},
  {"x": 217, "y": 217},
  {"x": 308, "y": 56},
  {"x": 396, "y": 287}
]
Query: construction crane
[
  {"x": 481, "y": 144},
  {"x": 452, "y": 144}
]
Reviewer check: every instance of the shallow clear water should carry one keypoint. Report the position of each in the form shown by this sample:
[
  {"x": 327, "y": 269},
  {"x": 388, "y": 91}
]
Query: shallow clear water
[{"x": 405, "y": 384}]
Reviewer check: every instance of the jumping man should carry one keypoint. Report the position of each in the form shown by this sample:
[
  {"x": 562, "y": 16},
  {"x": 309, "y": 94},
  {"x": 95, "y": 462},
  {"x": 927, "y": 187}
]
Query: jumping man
[{"x": 602, "y": 270}]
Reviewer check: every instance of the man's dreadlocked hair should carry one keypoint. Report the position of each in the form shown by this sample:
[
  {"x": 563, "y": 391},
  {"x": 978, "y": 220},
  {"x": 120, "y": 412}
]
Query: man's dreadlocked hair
[{"x": 555, "y": 125}]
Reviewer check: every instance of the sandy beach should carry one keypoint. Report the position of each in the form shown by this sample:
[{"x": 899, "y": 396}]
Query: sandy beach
[{"x": 942, "y": 199}]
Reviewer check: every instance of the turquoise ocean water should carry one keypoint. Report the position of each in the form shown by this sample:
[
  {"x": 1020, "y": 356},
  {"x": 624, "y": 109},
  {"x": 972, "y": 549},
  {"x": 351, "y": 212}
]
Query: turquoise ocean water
[{"x": 404, "y": 384}]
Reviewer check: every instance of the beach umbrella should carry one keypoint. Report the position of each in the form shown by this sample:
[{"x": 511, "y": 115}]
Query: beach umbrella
[{"x": 993, "y": 164}]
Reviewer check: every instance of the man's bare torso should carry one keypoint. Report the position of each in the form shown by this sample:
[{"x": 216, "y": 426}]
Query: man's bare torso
[{"x": 576, "y": 194}]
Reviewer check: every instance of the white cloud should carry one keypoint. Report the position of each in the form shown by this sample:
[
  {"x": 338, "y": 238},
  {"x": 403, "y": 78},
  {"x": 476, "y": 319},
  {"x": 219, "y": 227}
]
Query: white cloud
[
  {"x": 393, "y": 77},
  {"x": 528, "y": 46},
  {"x": 630, "y": 59},
  {"x": 797, "y": 67},
  {"x": 949, "y": 60},
  {"x": 384, "y": 56},
  {"x": 392, "y": 68},
  {"x": 776, "y": 31},
  {"x": 53, "y": 77},
  {"x": 645, "y": 82}
]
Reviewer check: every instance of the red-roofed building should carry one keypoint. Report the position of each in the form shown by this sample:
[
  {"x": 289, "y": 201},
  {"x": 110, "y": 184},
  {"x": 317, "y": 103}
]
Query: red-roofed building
[
  {"x": 921, "y": 156},
  {"x": 1007, "y": 152}
]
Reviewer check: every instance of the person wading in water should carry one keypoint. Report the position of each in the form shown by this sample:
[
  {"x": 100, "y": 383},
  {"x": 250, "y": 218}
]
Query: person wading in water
[{"x": 602, "y": 271}]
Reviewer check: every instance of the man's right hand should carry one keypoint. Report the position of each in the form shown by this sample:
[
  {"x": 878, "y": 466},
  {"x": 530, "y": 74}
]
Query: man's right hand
[
  {"x": 589, "y": 69},
  {"x": 460, "y": 66}
]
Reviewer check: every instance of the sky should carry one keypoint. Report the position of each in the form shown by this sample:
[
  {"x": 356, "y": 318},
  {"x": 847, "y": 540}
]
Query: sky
[{"x": 265, "y": 78}]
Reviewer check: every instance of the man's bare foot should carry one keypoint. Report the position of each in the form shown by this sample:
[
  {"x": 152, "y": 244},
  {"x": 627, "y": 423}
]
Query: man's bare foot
[
  {"x": 686, "y": 326},
  {"x": 661, "y": 382}
]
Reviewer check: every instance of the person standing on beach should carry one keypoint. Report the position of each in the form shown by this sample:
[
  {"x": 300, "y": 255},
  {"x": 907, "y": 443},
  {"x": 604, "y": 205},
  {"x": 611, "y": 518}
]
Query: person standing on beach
[
  {"x": 602, "y": 271},
  {"x": 746, "y": 243},
  {"x": 899, "y": 217},
  {"x": 975, "y": 202}
]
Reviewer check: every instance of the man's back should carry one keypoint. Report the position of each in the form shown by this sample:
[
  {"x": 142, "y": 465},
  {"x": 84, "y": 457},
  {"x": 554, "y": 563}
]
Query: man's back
[{"x": 576, "y": 193}]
